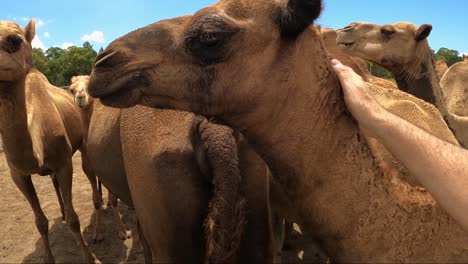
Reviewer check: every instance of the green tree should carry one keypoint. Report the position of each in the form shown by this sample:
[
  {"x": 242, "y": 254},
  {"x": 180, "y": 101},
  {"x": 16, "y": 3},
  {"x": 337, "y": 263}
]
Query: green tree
[
  {"x": 450, "y": 56},
  {"x": 59, "y": 65},
  {"x": 87, "y": 45},
  {"x": 379, "y": 71},
  {"x": 40, "y": 61},
  {"x": 77, "y": 61}
]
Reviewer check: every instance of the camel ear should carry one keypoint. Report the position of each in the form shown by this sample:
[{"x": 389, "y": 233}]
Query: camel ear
[
  {"x": 30, "y": 30},
  {"x": 296, "y": 16},
  {"x": 423, "y": 32},
  {"x": 73, "y": 79}
]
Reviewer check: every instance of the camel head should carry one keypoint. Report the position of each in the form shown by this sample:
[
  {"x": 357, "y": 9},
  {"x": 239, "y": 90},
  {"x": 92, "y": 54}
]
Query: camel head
[
  {"x": 15, "y": 50},
  {"x": 465, "y": 57},
  {"x": 79, "y": 88},
  {"x": 215, "y": 61},
  {"x": 387, "y": 45}
]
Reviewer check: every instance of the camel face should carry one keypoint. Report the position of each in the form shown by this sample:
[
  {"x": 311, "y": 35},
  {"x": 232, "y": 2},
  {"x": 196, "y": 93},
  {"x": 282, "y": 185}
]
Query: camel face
[
  {"x": 387, "y": 44},
  {"x": 79, "y": 88},
  {"x": 197, "y": 62},
  {"x": 15, "y": 50}
]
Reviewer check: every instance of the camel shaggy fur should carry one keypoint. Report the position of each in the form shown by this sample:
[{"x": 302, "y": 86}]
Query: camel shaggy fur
[
  {"x": 149, "y": 158},
  {"x": 258, "y": 66},
  {"x": 40, "y": 129},
  {"x": 85, "y": 103},
  {"x": 404, "y": 50}
]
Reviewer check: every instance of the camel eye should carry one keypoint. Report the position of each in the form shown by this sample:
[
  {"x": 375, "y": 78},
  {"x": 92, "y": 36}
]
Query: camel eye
[
  {"x": 12, "y": 43},
  {"x": 208, "y": 37},
  {"x": 387, "y": 32}
]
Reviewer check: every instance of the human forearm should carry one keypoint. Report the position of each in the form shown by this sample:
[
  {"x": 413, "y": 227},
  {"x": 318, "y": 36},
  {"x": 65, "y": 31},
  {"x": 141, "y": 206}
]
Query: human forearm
[{"x": 441, "y": 167}]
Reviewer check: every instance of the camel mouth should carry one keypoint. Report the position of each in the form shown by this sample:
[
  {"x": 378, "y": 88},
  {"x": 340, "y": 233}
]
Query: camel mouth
[
  {"x": 103, "y": 84},
  {"x": 122, "y": 98},
  {"x": 346, "y": 44}
]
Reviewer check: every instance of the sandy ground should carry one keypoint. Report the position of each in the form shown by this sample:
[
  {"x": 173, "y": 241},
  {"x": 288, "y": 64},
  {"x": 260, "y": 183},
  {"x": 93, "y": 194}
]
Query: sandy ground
[{"x": 20, "y": 241}]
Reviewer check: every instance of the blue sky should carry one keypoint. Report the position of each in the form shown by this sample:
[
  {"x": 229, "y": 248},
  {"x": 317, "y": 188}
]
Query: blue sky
[{"x": 63, "y": 23}]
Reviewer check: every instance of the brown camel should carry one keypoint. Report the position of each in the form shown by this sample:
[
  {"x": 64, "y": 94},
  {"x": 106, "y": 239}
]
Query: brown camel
[
  {"x": 441, "y": 68},
  {"x": 85, "y": 103},
  {"x": 455, "y": 91},
  {"x": 164, "y": 182},
  {"x": 359, "y": 65},
  {"x": 404, "y": 50},
  {"x": 259, "y": 66},
  {"x": 40, "y": 129},
  {"x": 146, "y": 157}
]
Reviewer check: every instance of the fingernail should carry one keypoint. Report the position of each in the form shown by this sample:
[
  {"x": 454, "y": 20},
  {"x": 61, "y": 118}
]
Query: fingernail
[{"x": 335, "y": 62}]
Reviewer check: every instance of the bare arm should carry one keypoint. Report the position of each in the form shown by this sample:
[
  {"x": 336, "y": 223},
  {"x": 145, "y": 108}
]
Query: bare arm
[{"x": 441, "y": 167}]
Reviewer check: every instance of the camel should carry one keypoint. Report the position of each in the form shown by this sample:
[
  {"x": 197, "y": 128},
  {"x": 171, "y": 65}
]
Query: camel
[
  {"x": 40, "y": 130},
  {"x": 441, "y": 68},
  {"x": 168, "y": 182},
  {"x": 455, "y": 91},
  {"x": 329, "y": 38},
  {"x": 260, "y": 67},
  {"x": 85, "y": 103},
  {"x": 404, "y": 50}
]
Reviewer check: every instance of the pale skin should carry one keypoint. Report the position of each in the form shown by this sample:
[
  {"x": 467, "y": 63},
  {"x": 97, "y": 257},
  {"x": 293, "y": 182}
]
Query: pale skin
[{"x": 442, "y": 168}]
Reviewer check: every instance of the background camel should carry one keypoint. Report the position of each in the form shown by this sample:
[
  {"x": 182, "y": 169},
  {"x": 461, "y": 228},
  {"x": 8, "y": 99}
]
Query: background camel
[
  {"x": 40, "y": 129},
  {"x": 85, "y": 103},
  {"x": 402, "y": 106},
  {"x": 455, "y": 91},
  {"x": 164, "y": 182},
  {"x": 441, "y": 67},
  {"x": 404, "y": 50},
  {"x": 292, "y": 112}
]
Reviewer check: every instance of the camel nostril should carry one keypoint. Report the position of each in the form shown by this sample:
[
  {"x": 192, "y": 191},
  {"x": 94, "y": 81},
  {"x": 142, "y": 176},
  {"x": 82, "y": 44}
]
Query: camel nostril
[
  {"x": 106, "y": 59},
  {"x": 346, "y": 29}
]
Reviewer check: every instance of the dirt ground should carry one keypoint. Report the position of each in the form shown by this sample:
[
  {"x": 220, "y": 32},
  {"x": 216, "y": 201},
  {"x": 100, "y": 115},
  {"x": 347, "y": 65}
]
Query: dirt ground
[{"x": 20, "y": 241}]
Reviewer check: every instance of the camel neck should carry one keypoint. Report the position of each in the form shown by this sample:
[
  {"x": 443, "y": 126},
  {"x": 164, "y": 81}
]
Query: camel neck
[
  {"x": 419, "y": 78},
  {"x": 331, "y": 179},
  {"x": 16, "y": 138}
]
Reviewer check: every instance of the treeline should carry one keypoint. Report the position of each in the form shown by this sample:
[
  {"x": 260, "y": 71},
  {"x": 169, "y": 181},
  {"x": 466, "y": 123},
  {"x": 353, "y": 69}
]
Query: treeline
[
  {"x": 60, "y": 65},
  {"x": 448, "y": 55}
]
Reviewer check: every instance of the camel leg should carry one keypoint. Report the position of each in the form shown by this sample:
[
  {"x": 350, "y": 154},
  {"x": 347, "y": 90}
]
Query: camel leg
[
  {"x": 123, "y": 232},
  {"x": 59, "y": 195},
  {"x": 146, "y": 249},
  {"x": 24, "y": 183},
  {"x": 98, "y": 234},
  {"x": 288, "y": 230},
  {"x": 64, "y": 176}
]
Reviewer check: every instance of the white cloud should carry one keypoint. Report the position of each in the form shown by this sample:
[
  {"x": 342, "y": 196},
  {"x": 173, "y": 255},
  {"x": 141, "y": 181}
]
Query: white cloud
[
  {"x": 39, "y": 23},
  {"x": 37, "y": 43},
  {"x": 46, "y": 35},
  {"x": 96, "y": 36},
  {"x": 66, "y": 45}
]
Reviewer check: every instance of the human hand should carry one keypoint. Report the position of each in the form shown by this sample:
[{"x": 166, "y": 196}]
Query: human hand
[{"x": 358, "y": 99}]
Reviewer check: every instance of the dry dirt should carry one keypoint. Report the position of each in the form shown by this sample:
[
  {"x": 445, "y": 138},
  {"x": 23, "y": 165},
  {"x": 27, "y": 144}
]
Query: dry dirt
[{"x": 20, "y": 241}]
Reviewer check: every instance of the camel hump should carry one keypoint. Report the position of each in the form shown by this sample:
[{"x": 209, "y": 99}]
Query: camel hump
[
  {"x": 414, "y": 110},
  {"x": 216, "y": 149}
]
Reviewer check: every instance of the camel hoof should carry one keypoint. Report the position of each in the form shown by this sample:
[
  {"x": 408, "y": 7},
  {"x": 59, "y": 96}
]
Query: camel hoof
[{"x": 126, "y": 234}]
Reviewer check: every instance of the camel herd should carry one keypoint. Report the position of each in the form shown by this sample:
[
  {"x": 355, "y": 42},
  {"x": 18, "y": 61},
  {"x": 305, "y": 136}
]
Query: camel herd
[{"x": 277, "y": 141}]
